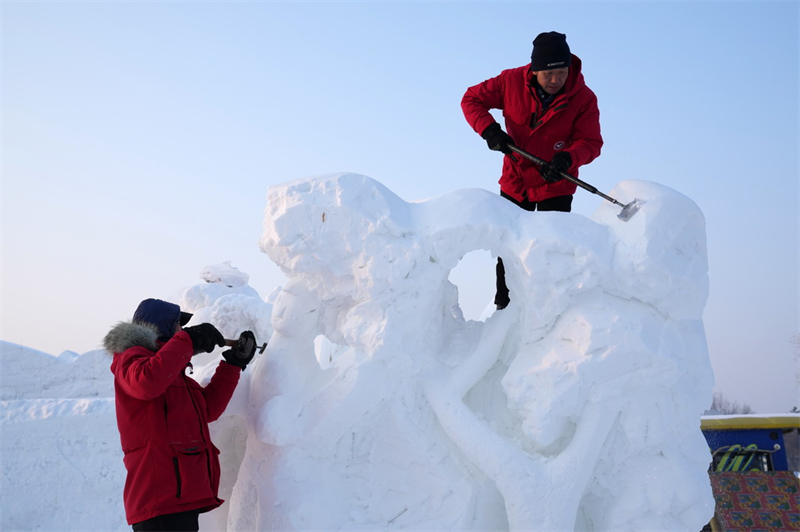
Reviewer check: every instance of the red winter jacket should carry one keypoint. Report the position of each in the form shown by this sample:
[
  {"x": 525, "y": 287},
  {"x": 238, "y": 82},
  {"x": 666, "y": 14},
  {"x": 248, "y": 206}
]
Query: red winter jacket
[
  {"x": 163, "y": 417},
  {"x": 571, "y": 123}
]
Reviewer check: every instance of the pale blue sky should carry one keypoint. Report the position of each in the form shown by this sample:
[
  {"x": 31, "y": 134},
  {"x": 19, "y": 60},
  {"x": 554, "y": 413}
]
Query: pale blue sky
[{"x": 139, "y": 140}]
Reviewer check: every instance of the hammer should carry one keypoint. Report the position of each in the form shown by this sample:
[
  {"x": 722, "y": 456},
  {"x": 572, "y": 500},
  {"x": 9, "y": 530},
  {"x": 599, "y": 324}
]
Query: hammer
[{"x": 234, "y": 343}]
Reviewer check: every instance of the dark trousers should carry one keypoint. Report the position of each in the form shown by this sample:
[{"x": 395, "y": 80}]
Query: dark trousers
[
  {"x": 559, "y": 203},
  {"x": 180, "y": 522}
]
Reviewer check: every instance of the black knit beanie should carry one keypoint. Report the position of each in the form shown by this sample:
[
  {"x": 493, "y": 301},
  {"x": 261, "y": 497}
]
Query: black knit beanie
[{"x": 550, "y": 50}]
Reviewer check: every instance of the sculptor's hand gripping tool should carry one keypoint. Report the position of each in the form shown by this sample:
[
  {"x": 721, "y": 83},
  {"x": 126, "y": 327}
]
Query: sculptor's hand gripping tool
[{"x": 628, "y": 210}]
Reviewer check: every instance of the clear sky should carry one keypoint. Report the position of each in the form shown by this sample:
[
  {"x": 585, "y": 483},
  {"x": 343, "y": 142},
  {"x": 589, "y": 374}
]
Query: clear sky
[{"x": 139, "y": 140}]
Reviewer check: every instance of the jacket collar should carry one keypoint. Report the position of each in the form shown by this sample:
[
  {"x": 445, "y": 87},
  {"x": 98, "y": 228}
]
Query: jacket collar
[{"x": 127, "y": 334}]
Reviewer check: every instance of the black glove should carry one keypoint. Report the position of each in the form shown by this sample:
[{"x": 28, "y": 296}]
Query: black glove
[
  {"x": 243, "y": 352},
  {"x": 561, "y": 163},
  {"x": 205, "y": 337},
  {"x": 497, "y": 139}
]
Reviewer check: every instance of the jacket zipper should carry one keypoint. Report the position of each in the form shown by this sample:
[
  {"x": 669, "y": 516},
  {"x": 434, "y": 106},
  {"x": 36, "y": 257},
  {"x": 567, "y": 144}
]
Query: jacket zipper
[
  {"x": 177, "y": 476},
  {"x": 196, "y": 409},
  {"x": 202, "y": 432}
]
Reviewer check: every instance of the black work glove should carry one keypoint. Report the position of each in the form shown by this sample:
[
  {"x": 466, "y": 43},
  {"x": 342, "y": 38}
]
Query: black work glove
[
  {"x": 205, "y": 337},
  {"x": 561, "y": 163},
  {"x": 242, "y": 353},
  {"x": 497, "y": 139}
]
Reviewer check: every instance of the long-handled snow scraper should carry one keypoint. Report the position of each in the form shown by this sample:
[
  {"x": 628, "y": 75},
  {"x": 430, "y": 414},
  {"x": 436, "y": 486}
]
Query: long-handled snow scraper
[{"x": 627, "y": 210}]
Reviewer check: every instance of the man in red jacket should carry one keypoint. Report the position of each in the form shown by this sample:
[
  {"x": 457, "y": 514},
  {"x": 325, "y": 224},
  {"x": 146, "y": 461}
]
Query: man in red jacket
[
  {"x": 549, "y": 112},
  {"x": 163, "y": 415}
]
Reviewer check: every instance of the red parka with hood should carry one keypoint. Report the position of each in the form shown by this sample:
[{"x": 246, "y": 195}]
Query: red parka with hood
[
  {"x": 571, "y": 123},
  {"x": 163, "y": 416}
]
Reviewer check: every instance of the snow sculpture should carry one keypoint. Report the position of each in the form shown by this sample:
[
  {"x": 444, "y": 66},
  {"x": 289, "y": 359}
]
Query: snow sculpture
[
  {"x": 225, "y": 273},
  {"x": 227, "y": 301},
  {"x": 377, "y": 406}
]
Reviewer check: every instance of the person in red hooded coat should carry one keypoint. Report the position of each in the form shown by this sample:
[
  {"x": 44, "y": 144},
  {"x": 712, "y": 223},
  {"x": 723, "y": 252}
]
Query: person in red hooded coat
[
  {"x": 549, "y": 112},
  {"x": 173, "y": 469}
]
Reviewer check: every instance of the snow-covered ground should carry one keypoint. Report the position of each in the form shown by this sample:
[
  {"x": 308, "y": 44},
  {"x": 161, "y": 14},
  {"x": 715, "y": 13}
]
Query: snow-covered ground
[{"x": 378, "y": 406}]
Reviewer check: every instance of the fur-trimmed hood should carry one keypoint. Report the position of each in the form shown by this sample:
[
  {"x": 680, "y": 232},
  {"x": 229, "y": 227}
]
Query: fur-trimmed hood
[{"x": 127, "y": 334}]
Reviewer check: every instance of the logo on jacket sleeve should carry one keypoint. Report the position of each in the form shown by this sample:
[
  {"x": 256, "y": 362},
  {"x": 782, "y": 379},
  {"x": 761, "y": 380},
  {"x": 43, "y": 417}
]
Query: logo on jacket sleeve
[{"x": 558, "y": 145}]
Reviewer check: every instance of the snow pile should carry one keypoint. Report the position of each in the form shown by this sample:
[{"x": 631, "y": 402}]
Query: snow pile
[
  {"x": 378, "y": 406},
  {"x": 29, "y": 374},
  {"x": 61, "y": 457}
]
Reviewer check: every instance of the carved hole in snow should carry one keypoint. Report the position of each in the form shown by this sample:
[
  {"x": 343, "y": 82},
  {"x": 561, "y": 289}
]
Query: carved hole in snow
[
  {"x": 474, "y": 276},
  {"x": 325, "y": 351}
]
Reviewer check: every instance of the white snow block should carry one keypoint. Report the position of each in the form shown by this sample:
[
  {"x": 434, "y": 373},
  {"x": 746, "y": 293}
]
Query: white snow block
[{"x": 575, "y": 408}]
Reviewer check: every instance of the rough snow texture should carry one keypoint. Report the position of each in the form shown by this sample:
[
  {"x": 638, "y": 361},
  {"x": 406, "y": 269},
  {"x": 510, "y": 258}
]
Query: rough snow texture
[
  {"x": 377, "y": 406},
  {"x": 59, "y": 445}
]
